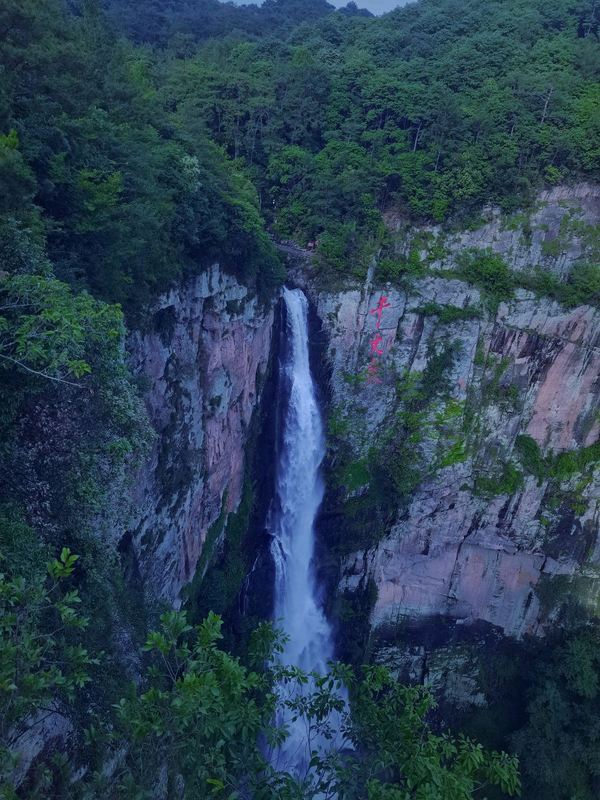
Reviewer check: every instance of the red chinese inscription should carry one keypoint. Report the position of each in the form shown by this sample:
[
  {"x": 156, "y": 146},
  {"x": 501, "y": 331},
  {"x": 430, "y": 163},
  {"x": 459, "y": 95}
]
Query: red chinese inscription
[
  {"x": 378, "y": 310},
  {"x": 376, "y": 345},
  {"x": 376, "y": 341},
  {"x": 373, "y": 372}
]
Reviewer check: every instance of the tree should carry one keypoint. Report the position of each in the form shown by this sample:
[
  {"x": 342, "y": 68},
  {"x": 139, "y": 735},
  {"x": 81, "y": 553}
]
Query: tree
[
  {"x": 42, "y": 662},
  {"x": 201, "y": 717},
  {"x": 200, "y": 721},
  {"x": 400, "y": 756},
  {"x": 559, "y": 746},
  {"x": 47, "y": 331}
]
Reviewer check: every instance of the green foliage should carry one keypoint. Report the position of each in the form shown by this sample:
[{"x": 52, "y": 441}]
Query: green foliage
[
  {"x": 28, "y": 556},
  {"x": 205, "y": 722},
  {"x": 349, "y": 114},
  {"x": 129, "y": 194},
  {"x": 542, "y": 703},
  {"x": 559, "y": 745},
  {"x": 140, "y": 161},
  {"x": 398, "y": 270},
  {"x": 403, "y": 759},
  {"x": 337, "y": 424},
  {"x": 353, "y": 609},
  {"x": 571, "y": 462},
  {"x": 449, "y": 314},
  {"x": 125, "y": 168},
  {"x": 355, "y": 475},
  {"x": 15, "y": 175},
  {"x": 186, "y": 21},
  {"x": 225, "y": 573},
  {"x": 48, "y": 331},
  {"x": 559, "y": 467},
  {"x": 455, "y": 454},
  {"x": 531, "y": 456},
  {"x": 568, "y": 474},
  {"x": 337, "y": 246},
  {"x": 42, "y": 662},
  {"x": 582, "y": 286},
  {"x": 200, "y": 716},
  {"x": 203, "y": 714},
  {"x": 479, "y": 357},
  {"x": 68, "y": 349},
  {"x": 507, "y": 480},
  {"x": 489, "y": 272}
]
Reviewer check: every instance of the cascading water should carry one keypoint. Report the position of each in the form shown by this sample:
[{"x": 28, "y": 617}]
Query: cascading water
[{"x": 299, "y": 491}]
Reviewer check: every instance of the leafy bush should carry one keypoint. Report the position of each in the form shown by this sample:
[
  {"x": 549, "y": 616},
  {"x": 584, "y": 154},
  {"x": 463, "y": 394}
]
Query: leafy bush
[
  {"x": 206, "y": 723},
  {"x": 560, "y": 467},
  {"x": 394, "y": 269},
  {"x": 42, "y": 662},
  {"x": 582, "y": 286},
  {"x": 558, "y": 746},
  {"x": 571, "y": 462},
  {"x": 531, "y": 456},
  {"x": 507, "y": 480},
  {"x": 488, "y": 271},
  {"x": 48, "y": 331}
]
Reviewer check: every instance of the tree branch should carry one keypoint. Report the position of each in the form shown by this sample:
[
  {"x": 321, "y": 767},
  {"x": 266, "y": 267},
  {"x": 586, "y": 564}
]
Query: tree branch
[{"x": 41, "y": 374}]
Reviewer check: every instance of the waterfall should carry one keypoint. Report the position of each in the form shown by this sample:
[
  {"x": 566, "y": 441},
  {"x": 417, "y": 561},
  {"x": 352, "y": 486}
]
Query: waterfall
[{"x": 299, "y": 491}]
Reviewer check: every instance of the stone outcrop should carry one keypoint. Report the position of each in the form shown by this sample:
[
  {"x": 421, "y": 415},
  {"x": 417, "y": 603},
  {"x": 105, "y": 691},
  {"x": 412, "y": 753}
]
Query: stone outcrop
[
  {"x": 553, "y": 236},
  {"x": 203, "y": 359},
  {"x": 37, "y": 737},
  {"x": 480, "y": 538}
]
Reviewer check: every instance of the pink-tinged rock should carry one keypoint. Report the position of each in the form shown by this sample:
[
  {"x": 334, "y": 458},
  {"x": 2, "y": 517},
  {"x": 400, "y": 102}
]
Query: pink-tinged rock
[
  {"x": 453, "y": 557},
  {"x": 559, "y": 353},
  {"x": 204, "y": 363},
  {"x": 452, "y": 552}
]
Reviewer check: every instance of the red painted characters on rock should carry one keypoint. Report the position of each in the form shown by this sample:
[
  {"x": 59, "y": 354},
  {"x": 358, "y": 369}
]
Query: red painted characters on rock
[
  {"x": 376, "y": 342},
  {"x": 378, "y": 310},
  {"x": 376, "y": 345},
  {"x": 373, "y": 372}
]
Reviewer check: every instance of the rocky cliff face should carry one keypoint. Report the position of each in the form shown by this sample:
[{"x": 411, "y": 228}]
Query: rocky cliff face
[
  {"x": 203, "y": 359},
  {"x": 560, "y": 230},
  {"x": 463, "y": 431},
  {"x": 199, "y": 361}
]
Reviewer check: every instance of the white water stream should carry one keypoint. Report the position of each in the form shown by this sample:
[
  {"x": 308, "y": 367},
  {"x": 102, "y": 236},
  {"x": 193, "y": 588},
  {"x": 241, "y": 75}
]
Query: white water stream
[{"x": 299, "y": 491}]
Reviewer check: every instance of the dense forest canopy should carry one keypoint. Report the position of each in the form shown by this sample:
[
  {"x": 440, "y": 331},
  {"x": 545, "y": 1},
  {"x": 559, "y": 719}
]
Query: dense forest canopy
[
  {"x": 121, "y": 192},
  {"x": 158, "y": 21},
  {"x": 133, "y": 164},
  {"x": 437, "y": 108}
]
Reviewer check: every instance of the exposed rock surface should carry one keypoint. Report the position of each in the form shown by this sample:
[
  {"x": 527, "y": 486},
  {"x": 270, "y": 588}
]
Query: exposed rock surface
[
  {"x": 480, "y": 538},
  {"x": 203, "y": 359},
  {"x": 40, "y": 734},
  {"x": 554, "y": 236}
]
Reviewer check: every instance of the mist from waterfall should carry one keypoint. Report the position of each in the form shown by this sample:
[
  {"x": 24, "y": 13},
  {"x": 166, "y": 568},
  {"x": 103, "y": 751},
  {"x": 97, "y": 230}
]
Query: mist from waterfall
[{"x": 299, "y": 492}]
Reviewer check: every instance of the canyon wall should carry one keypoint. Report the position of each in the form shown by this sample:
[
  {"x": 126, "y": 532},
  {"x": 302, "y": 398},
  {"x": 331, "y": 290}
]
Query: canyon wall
[
  {"x": 203, "y": 359},
  {"x": 446, "y": 445},
  {"x": 199, "y": 360}
]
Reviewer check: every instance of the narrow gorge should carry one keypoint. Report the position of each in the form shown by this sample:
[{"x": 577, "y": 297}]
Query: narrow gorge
[{"x": 428, "y": 549}]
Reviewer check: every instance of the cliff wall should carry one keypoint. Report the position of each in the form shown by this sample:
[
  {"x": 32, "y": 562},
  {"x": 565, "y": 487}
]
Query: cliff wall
[
  {"x": 463, "y": 468},
  {"x": 203, "y": 359}
]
